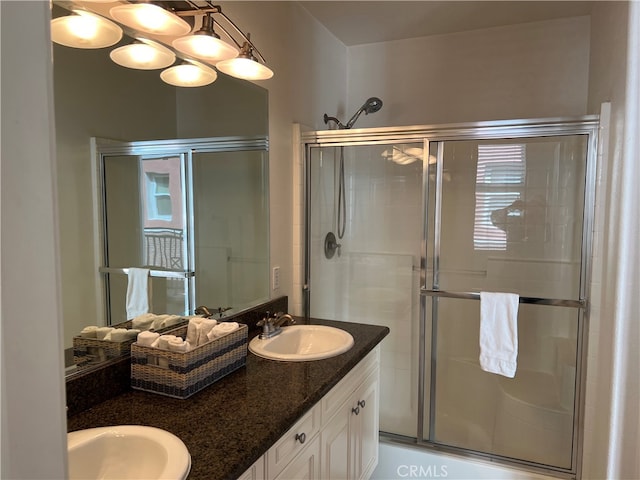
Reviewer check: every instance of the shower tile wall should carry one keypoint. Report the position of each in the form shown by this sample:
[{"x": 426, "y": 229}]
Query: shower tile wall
[{"x": 375, "y": 279}]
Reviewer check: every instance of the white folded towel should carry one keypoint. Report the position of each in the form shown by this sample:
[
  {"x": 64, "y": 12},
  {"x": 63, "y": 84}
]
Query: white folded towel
[
  {"x": 147, "y": 338},
  {"x": 89, "y": 332},
  {"x": 222, "y": 329},
  {"x": 102, "y": 332},
  {"x": 203, "y": 329},
  {"x": 121, "y": 334},
  {"x": 138, "y": 292},
  {"x": 163, "y": 341},
  {"x": 170, "y": 320},
  {"x": 499, "y": 333},
  {"x": 158, "y": 320},
  {"x": 143, "y": 322},
  {"x": 177, "y": 344},
  {"x": 198, "y": 326}
]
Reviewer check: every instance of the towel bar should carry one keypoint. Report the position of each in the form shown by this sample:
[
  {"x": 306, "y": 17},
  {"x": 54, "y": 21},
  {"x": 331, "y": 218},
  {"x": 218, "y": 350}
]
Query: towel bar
[
  {"x": 152, "y": 273},
  {"x": 529, "y": 300}
]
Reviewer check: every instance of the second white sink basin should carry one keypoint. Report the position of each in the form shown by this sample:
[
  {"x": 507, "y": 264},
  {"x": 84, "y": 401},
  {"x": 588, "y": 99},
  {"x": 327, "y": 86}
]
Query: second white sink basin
[
  {"x": 127, "y": 452},
  {"x": 299, "y": 343}
]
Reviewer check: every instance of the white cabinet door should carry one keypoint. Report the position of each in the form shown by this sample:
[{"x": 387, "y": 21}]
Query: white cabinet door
[
  {"x": 336, "y": 461},
  {"x": 364, "y": 428},
  {"x": 337, "y": 439},
  {"x": 306, "y": 466},
  {"x": 349, "y": 436},
  {"x": 255, "y": 472},
  {"x": 292, "y": 443}
]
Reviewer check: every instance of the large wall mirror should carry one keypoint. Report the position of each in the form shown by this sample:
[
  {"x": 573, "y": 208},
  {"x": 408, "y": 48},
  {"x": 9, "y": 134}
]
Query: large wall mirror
[{"x": 95, "y": 98}]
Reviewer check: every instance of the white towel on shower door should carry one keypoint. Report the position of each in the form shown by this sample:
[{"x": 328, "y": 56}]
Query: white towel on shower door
[
  {"x": 138, "y": 292},
  {"x": 499, "y": 333}
]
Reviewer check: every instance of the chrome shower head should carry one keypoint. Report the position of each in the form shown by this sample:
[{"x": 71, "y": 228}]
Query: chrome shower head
[{"x": 372, "y": 105}]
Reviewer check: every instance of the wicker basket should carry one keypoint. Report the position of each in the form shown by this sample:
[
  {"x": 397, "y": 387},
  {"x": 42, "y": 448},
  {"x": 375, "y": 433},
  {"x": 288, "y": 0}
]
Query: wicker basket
[
  {"x": 87, "y": 351},
  {"x": 180, "y": 375},
  {"x": 91, "y": 350}
]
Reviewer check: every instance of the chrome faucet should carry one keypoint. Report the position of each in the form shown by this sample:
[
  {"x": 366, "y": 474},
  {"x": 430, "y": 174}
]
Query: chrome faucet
[{"x": 271, "y": 325}]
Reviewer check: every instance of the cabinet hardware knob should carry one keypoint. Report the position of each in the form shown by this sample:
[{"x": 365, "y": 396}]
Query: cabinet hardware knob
[
  {"x": 355, "y": 410},
  {"x": 301, "y": 437},
  {"x": 362, "y": 403}
]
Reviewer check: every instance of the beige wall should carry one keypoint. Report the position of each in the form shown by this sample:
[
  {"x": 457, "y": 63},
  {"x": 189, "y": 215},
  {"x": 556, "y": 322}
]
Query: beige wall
[
  {"x": 311, "y": 73},
  {"x": 530, "y": 70},
  {"x": 612, "y": 397},
  {"x": 33, "y": 417}
]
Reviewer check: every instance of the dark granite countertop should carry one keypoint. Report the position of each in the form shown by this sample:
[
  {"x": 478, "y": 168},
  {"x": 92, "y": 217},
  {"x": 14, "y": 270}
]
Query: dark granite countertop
[{"x": 230, "y": 424}]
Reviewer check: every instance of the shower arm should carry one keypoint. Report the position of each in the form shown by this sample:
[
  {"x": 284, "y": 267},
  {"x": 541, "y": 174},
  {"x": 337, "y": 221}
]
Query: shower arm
[
  {"x": 353, "y": 119},
  {"x": 349, "y": 124},
  {"x": 328, "y": 119}
]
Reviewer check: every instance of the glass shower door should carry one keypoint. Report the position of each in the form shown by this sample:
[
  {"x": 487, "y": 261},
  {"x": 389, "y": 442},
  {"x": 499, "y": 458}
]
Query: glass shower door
[
  {"x": 145, "y": 225},
  {"x": 369, "y": 197},
  {"x": 510, "y": 219}
]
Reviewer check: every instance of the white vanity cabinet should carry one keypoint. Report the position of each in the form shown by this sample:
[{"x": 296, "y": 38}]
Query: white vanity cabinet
[
  {"x": 255, "y": 471},
  {"x": 349, "y": 434},
  {"x": 336, "y": 439}
]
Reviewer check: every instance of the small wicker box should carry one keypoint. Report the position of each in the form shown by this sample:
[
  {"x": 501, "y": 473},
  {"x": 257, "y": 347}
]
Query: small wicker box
[
  {"x": 87, "y": 351},
  {"x": 180, "y": 375},
  {"x": 91, "y": 350}
]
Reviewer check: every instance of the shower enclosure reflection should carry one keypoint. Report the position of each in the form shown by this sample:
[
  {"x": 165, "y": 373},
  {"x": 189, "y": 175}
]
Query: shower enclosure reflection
[{"x": 194, "y": 212}]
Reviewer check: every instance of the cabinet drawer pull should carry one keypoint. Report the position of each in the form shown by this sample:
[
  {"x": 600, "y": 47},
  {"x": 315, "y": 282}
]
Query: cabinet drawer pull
[
  {"x": 301, "y": 437},
  {"x": 362, "y": 403},
  {"x": 355, "y": 410}
]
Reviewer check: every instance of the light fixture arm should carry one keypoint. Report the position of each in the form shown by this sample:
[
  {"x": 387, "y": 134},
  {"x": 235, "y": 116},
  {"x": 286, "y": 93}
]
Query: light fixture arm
[{"x": 217, "y": 9}]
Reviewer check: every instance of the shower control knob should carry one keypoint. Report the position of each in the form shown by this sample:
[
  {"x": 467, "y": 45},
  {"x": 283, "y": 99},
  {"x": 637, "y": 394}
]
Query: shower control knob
[{"x": 331, "y": 245}]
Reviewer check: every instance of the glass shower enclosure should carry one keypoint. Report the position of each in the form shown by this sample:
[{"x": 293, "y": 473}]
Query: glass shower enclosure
[
  {"x": 194, "y": 212},
  {"x": 406, "y": 226}
]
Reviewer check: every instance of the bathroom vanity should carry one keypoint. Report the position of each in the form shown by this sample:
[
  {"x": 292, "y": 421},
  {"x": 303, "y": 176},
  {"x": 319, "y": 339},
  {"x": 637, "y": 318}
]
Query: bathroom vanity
[{"x": 270, "y": 419}]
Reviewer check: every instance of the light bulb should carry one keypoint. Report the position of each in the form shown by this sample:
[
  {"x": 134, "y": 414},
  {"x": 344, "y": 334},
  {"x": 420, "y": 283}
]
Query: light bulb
[
  {"x": 206, "y": 47},
  {"x": 244, "y": 68},
  {"x": 143, "y": 55},
  {"x": 85, "y": 30},
  {"x": 189, "y": 75},
  {"x": 150, "y": 18}
]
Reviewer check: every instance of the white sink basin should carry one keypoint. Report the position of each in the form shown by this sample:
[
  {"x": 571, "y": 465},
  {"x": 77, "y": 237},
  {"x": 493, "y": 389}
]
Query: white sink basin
[
  {"x": 299, "y": 343},
  {"x": 127, "y": 452}
]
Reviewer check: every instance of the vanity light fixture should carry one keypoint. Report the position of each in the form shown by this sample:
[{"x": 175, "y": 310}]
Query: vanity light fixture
[
  {"x": 150, "y": 18},
  {"x": 170, "y": 19},
  {"x": 143, "y": 54},
  {"x": 83, "y": 29},
  {"x": 189, "y": 74},
  {"x": 246, "y": 66},
  {"x": 205, "y": 44}
]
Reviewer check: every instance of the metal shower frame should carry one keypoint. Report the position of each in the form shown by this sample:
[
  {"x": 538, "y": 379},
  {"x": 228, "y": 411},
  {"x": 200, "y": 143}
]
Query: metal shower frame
[{"x": 522, "y": 128}]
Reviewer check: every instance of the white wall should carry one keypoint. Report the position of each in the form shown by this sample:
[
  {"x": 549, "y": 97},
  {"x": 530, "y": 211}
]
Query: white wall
[
  {"x": 33, "y": 416},
  {"x": 310, "y": 72},
  {"x": 33, "y": 419},
  {"x": 612, "y": 422},
  {"x": 529, "y": 70}
]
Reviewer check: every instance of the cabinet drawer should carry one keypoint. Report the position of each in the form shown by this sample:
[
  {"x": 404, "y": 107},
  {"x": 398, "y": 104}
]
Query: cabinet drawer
[
  {"x": 292, "y": 442},
  {"x": 331, "y": 402}
]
